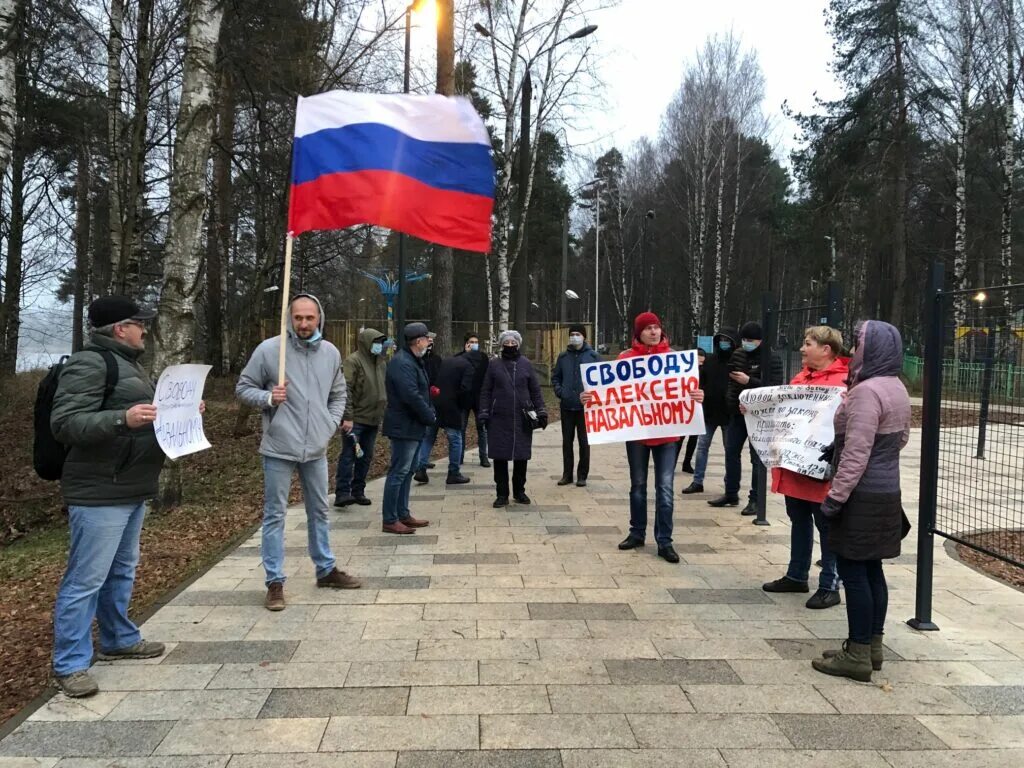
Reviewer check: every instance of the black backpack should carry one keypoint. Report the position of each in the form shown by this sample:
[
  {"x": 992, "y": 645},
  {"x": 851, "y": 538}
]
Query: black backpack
[{"x": 48, "y": 454}]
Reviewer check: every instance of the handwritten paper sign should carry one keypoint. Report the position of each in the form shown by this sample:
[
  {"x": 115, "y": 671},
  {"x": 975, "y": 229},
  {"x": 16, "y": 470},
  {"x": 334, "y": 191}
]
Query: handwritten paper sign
[
  {"x": 790, "y": 426},
  {"x": 179, "y": 425},
  {"x": 642, "y": 398}
]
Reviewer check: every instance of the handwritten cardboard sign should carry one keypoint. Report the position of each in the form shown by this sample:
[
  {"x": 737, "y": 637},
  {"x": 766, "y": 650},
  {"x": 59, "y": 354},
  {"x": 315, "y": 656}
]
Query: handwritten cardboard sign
[
  {"x": 179, "y": 425},
  {"x": 643, "y": 398},
  {"x": 790, "y": 426}
]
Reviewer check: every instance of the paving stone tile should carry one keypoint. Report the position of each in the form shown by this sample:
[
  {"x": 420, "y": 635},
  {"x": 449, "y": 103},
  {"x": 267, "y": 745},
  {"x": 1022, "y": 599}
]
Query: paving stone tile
[
  {"x": 758, "y": 629},
  {"x": 485, "y": 758},
  {"x": 395, "y": 582},
  {"x": 477, "y": 558},
  {"x": 940, "y": 649},
  {"x": 202, "y": 737},
  {"x": 563, "y": 611},
  {"x": 642, "y": 758},
  {"x": 276, "y": 629},
  {"x": 794, "y": 758},
  {"x": 813, "y": 648},
  {"x": 404, "y": 673},
  {"x": 476, "y": 582},
  {"x": 179, "y": 613},
  {"x": 718, "y": 648},
  {"x": 220, "y": 630},
  {"x": 670, "y": 671},
  {"x": 219, "y": 597},
  {"x": 71, "y": 739},
  {"x": 475, "y": 611},
  {"x": 28, "y": 762},
  {"x": 190, "y": 705},
  {"x": 554, "y": 731},
  {"x": 355, "y": 650},
  {"x": 517, "y": 649},
  {"x": 533, "y": 628},
  {"x": 624, "y": 648},
  {"x": 707, "y": 731},
  {"x": 479, "y": 700},
  {"x": 695, "y": 522},
  {"x": 265, "y": 674},
  {"x": 740, "y": 699},
  {"x": 317, "y": 760},
  {"x": 689, "y": 612},
  {"x": 647, "y": 630},
  {"x": 617, "y": 699},
  {"x": 160, "y": 677},
  {"x": 390, "y": 540},
  {"x": 580, "y": 530},
  {"x": 719, "y": 596},
  {"x": 993, "y": 699},
  {"x": 977, "y": 732},
  {"x": 420, "y": 630},
  {"x": 531, "y": 596},
  {"x": 856, "y": 732},
  {"x": 429, "y": 596},
  {"x": 364, "y": 613},
  {"x": 346, "y": 525},
  {"x": 631, "y": 595},
  {"x": 542, "y": 672},
  {"x": 232, "y": 651},
  {"x": 406, "y": 732},
  {"x": 999, "y": 672},
  {"x": 329, "y": 702},
  {"x": 956, "y": 758},
  {"x": 189, "y": 761},
  {"x": 63, "y": 709},
  {"x": 905, "y": 699}
]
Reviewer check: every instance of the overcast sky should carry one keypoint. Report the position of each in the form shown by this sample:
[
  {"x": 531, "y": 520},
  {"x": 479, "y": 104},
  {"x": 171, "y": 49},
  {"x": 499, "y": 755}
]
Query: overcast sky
[{"x": 644, "y": 44}]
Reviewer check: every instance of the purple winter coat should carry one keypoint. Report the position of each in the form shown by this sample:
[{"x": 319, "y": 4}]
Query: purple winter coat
[
  {"x": 502, "y": 404},
  {"x": 872, "y": 426}
]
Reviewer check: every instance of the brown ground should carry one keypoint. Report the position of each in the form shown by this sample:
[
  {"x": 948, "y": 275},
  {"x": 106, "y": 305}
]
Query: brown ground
[
  {"x": 1008, "y": 542},
  {"x": 224, "y": 496},
  {"x": 959, "y": 417}
]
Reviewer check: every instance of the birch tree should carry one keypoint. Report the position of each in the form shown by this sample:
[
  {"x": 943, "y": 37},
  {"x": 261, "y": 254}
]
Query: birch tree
[{"x": 8, "y": 85}]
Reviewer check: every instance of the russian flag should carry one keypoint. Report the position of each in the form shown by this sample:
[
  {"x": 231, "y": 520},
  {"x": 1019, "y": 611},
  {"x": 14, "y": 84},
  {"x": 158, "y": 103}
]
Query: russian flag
[{"x": 417, "y": 164}]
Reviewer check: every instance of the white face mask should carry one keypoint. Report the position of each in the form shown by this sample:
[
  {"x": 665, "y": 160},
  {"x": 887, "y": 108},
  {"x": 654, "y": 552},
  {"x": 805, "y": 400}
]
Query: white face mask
[{"x": 575, "y": 340}]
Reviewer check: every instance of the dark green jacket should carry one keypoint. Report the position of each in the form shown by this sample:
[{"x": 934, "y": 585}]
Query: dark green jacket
[
  {"x": 364, "y": 376},
  {"x": 108, "y": 464}
]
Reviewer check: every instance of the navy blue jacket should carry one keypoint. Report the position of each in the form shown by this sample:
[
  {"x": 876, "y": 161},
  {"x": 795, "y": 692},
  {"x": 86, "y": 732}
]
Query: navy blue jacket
[
  {"x": 566, "y": 378},
  {"x": 409, "y": 411}
]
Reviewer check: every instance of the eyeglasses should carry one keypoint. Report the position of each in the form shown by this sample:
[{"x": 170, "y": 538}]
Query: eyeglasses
[{"x": 136, "y": 323}]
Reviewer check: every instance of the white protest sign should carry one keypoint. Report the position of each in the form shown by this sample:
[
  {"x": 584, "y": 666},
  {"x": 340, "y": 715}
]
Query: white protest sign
[
  {"x": 179, "y": 425},
  {"x": 790, "y": 426},
  {"x": 643, "y": 398}
]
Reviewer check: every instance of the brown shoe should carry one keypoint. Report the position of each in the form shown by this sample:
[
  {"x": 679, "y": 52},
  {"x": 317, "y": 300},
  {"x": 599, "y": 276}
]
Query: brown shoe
[
  {"x": 412, "y": 522},
  {"x": 275, "y": 597},
  {"x": 396, "y": 527},
  {"x": 338, "y": 580}
]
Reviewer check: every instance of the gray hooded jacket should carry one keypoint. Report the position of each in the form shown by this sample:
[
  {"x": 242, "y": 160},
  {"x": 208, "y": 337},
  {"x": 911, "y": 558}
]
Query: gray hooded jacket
[{"x": 301, "y": 427}]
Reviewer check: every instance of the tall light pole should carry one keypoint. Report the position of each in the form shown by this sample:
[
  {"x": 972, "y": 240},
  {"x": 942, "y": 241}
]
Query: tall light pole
[{"x": 520, "y": 277}]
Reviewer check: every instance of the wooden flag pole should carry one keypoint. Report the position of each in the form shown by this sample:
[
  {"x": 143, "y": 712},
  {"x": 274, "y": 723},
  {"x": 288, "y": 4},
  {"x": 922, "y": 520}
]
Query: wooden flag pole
[{"x": 286, "y": 281}]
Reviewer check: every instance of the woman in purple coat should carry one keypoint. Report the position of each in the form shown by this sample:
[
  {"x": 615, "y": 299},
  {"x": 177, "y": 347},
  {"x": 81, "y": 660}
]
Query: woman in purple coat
[{"x": 510, "y": 394}]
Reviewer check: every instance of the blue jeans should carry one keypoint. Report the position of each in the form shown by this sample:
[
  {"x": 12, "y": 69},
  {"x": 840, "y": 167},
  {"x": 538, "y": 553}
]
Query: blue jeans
[
  {"x": 735, "y": 436},
  {"x": 805, "y": 515},
  {"x": 97, "y": 584},
  {"x": 867, "y": 597},
  {"x": 700, "y": 466},
  {"x": 277, "y": 482},
  {"x": 346, "y": 481},
  {"x": 399, "y": 480},
  {"x": 639, "y": 456},
  {"x": 454, "y": 448}
]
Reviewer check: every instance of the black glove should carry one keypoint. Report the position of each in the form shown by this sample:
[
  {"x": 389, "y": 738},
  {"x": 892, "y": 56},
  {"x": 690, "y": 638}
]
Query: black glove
[
  {"x": 542, "y": 417},
  {"x": 828, "y": 454},
  {"x": 830, "y": 507}
]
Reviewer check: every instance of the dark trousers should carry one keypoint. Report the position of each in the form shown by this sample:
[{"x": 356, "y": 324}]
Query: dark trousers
[
  {"x": 518, "y": 477},
  {"x": 867, "y": 597},
  {"x": 481, "y": 434},
  {"x": 574, "y": 427},
  {"x": 735, "y": 437},
  {"x": 691, "y": 446},
  {"x": 350, "y": 479}
]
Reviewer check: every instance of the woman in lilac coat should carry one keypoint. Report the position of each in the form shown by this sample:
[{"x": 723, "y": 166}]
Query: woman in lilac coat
[{"x": 864, "y": 504}]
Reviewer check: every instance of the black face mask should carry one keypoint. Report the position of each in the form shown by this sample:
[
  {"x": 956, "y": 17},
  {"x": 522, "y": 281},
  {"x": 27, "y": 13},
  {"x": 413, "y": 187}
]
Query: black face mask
[{"x": 510, "y": 353}]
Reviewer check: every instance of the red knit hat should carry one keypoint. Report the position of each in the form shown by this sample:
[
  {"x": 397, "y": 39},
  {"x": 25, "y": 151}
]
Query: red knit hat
[{"x": 643, "y": 320}]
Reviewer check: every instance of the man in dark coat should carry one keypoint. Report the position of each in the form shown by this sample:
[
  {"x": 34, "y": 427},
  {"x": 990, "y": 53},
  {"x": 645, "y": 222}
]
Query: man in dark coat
[
  {"x": 568, "y": 384},
  {"x": 744, "y": 373},
  {"x": 471, "y": 351},
  {"x": 432, "y": 364},
  {"x": 406, "y": 419},
  {"x": 714, "y": 380},
  {"x": 454, "y": 397}
]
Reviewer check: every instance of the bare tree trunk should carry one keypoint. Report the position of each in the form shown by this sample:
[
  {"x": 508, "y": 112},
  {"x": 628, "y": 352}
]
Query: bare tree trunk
[
  {"x": 719, "y": 298},
  {"x": 115, "y": 158},
  {"x": 194, "y": 129},
  {"x": 962, "y": 129},
  {"x": 9, "y": 13},
  {"x": 1009, "y": 95},
  {"x": 899, "y": 250},
  {"x": 443, "y": 277},
  {"x": 730, "y": 252},
  {"x": 10, "y": 310},
  {"x": 82, "y": 231},
  {"x": 491, "y": 335},
  {"x": 218, "y": 235}
]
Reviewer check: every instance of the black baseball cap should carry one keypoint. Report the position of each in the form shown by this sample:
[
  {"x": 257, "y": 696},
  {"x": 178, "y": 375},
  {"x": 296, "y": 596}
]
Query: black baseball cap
[
  {"x": 116, "y": 309},
  {"x": 415, "y": 331}
]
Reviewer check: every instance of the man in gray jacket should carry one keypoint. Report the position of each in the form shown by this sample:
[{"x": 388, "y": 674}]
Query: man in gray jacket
[{"x": 299, "y": 420}]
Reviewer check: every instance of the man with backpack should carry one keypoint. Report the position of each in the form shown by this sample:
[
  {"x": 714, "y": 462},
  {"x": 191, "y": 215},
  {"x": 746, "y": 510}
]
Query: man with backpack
[{"x": 102, "y": 412}]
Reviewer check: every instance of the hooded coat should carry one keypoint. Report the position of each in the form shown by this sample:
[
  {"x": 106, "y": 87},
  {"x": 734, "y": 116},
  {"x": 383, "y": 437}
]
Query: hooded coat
[
  {"x": 872, "y": 427},
  {"x": 714, "y": 379},
  {"x": 300, "y": 428},
  {"x": 510, "y": 386},
  {"x": 364, "y": 375},
  {"x": 567, "y": 379}
]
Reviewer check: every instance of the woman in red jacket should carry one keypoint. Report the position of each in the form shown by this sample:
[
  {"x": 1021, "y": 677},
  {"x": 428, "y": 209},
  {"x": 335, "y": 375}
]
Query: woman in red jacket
[
  {"x": 823, "y": 367},
  {"x": 649, "y": 339}
]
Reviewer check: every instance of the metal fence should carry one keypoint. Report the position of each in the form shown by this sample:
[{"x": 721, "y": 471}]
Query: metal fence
[{"x": 972, "y": 440}]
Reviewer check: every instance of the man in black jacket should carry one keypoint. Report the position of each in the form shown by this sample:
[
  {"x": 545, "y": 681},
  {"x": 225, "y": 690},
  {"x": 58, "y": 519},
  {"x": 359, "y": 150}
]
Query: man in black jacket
[
  {"x": 455, "y": 392},
  {"x": 471, "y": 351},
  {"x": 714, "y": 380},
  {"x": 744, "y": 373}
]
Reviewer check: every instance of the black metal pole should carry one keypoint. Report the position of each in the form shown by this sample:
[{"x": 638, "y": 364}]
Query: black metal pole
[
  {"x": 563, "y": 316},
  {"x": 935, "y": 313},
  {"x": 770, "y": 328},
  {"x": 986, "y": 388},
  {"x": 834, "y": 304},
  {"x": 400, "y": 305}
]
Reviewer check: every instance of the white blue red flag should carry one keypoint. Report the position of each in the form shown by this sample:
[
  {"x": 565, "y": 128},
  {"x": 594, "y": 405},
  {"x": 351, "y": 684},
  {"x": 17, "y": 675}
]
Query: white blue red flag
[{"x": 417, "y": 164}]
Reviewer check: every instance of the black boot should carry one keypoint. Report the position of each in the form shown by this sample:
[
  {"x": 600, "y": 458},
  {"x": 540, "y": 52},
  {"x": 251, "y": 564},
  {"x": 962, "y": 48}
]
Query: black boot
[
  {"x": 725, "y": 500},
  {"x": 750, "y": 509},
  {"x": 457, "y": 479},
  {"x": 692, "y": 488},
  {"x": 566, "y": 480},
  {"x": 631, "y": 542},
  {"x": 421, "y": 476},
  {"x": 687, "y": 467},
  {"x": 668, "y": 553}
]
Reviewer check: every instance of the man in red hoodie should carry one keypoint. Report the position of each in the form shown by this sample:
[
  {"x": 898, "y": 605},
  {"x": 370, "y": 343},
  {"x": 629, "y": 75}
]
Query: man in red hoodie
[
  {"x": 649, "y": 339},
  {"x": 824, "y": 366}
]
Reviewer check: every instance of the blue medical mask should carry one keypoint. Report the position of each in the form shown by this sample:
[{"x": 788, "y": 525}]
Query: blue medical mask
[
  {"x": 376, "y": 348},
  {"x": 750, "y": 346},
  {"x": 474, "y": 347},
  {"x": 725, "y": 346},
  {"x": 317, "y": 335}
]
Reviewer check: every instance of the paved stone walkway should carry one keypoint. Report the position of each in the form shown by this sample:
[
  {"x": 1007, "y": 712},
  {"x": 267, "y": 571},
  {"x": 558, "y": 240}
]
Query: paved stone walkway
[{"x": 523, "y": 637}]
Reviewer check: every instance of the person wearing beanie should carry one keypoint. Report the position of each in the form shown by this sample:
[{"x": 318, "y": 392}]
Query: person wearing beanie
[
  {"x": 744, "y": 373},
  {"x": 568, "y": 384},
  {"x": 510, "y": 404},
  {"x": 471, "y": 351},
  {"x": 714, "y": 380},
  {"x": 650, "y": 339}
]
